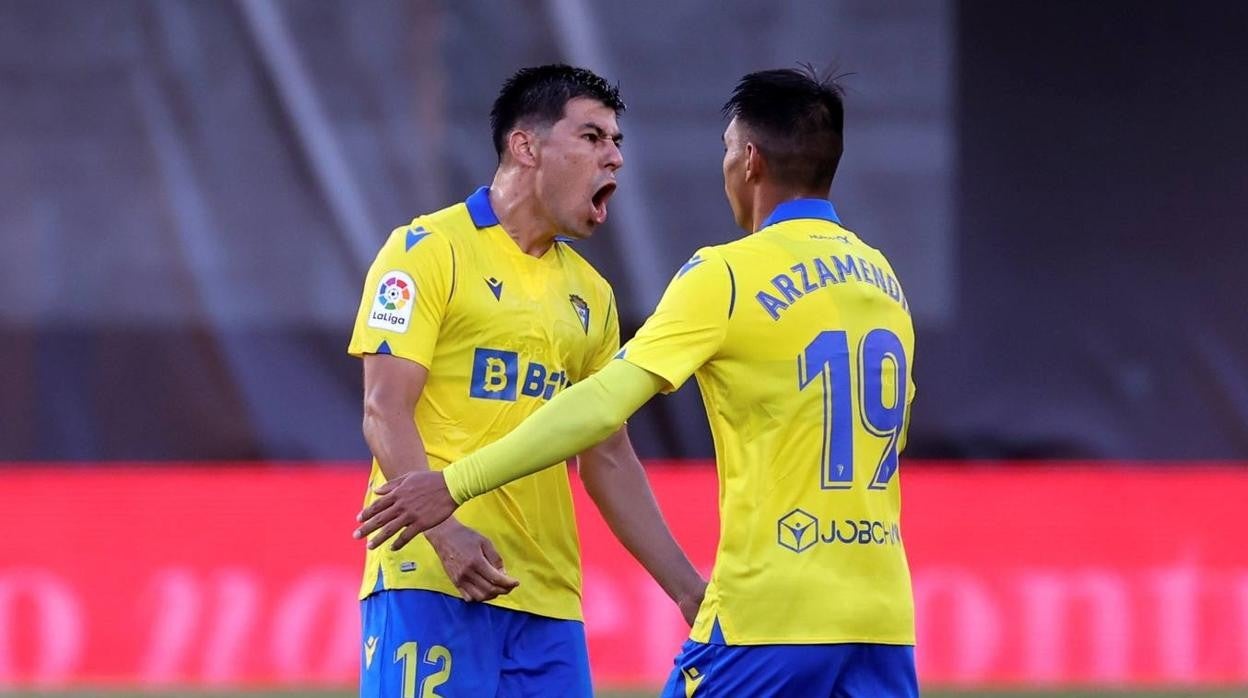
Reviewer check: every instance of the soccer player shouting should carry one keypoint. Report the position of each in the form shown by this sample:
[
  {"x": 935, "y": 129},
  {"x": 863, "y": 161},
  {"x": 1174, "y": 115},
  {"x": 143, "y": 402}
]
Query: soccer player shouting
[{"x": 473, "y": 317}]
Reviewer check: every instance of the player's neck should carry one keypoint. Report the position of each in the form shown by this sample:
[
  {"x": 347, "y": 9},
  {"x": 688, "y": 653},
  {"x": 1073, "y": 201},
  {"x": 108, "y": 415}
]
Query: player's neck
[
  {"x": 520, "y": 214},
  {"x": 768, "y": 199}
]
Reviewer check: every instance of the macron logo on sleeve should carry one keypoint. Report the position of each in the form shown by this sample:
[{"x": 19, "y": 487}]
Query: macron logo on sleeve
[
  {"x": 693, "y": 262},
  {"x": 414, "y": 236}
]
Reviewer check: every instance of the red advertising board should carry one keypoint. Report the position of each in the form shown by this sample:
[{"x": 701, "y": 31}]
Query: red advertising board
[{"x": 1083, "y": 573}]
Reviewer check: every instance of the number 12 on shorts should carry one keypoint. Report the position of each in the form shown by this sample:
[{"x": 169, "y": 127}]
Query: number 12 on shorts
[
  {"x": 826, "y": 360},
  {"x": 437, "y": 656}
]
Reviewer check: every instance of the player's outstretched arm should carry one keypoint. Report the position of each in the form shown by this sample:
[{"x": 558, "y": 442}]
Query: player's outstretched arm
[
  {"x": 616, "y": 481},
  {"x": 574, "y": 420},
  {"x": 392, "y": 387}
]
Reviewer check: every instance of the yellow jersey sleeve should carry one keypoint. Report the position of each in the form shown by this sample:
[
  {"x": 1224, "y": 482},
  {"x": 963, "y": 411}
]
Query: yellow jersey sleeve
[
  {"x": 405, "y": 296},
  {"x": 606, "y": 350},
  {"x": 690, "y": 322}
]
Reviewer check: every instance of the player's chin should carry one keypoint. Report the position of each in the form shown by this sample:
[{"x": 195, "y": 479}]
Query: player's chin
[
  {"x": 597, "y": 216},
  {"x": 581, "y": 230}
]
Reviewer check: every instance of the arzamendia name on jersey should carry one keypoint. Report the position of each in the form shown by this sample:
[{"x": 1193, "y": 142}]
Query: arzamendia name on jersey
[{"x": 816, "y": 274}]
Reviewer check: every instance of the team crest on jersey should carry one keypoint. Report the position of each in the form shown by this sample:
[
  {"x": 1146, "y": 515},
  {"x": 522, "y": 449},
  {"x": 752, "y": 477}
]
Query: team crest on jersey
[
  {"x": 582, "y": 310},
  {"x": 392, "y": 306}
]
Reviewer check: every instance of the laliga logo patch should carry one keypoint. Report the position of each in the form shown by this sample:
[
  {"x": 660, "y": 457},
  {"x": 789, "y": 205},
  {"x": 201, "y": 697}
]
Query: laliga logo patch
[{"x": 392, "y": 306}]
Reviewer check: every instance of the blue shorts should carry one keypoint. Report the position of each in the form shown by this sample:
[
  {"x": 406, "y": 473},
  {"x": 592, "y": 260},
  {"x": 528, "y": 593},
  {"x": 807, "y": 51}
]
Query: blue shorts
[
  {"x": 422, "y": 643},
  {"x": 798, "y": 671}
]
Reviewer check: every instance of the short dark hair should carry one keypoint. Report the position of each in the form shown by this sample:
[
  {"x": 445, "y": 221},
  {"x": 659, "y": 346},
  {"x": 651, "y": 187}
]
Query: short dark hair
[
  {"x": 797, "y": 120},
  {"x": 538, "y": 95}
]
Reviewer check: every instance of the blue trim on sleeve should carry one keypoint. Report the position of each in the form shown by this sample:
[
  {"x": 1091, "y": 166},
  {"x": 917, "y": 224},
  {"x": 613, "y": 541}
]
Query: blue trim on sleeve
[
  {"x": 732, "y": 299},
  {"x": 414, "y": 236},
  {"x": 802, "y": 208},
  {"x": 693, "y": 262},
  {"x": 479, "y": 208}
]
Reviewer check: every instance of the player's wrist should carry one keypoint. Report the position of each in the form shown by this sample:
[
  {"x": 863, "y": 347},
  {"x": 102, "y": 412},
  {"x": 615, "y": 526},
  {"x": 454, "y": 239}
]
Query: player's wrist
[
  {"x": 690, "y": 591},
  {"x": 438, "y": 534}
]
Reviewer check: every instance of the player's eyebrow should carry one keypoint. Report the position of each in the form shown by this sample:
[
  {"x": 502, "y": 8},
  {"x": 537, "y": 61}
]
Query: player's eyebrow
[{"x": 602, "y": 133}]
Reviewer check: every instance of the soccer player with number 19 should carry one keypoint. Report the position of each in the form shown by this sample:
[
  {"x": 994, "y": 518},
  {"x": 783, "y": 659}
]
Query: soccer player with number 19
[{"x": 802, "y": 343}]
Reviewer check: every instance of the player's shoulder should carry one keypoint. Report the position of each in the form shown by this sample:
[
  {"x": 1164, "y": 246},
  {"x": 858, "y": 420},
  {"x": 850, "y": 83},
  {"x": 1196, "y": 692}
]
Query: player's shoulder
[
  {"x": 416, "y": 240},
  {"x": 704, "y": 259},
  {"x": 450, "y": 223},
  {"x": 429, "y": 233},
  {"x": 454, "y": 221},
  {"x": 716, "y": 256},
  {"x": 876, "y": 254},
  {"x": 728, "y": 249}
]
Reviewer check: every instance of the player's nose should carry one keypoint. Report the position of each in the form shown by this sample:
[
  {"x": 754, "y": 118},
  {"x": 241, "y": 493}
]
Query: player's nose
[{"x": 614, "y": 158}]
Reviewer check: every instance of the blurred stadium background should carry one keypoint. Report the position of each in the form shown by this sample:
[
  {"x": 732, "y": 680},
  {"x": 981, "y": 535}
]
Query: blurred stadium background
[{"x": 192, "y": 192}]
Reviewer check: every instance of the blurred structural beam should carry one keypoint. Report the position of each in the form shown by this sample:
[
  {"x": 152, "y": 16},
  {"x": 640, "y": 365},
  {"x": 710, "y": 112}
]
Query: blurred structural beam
[
  {"x": 297, "y": 94},
  {"x": 581, "y": 44}
]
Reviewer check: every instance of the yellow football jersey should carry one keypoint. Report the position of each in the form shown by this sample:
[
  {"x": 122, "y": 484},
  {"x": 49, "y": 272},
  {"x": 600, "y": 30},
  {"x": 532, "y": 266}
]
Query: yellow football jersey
[
  {"x": 501, "y": 332},
  {"x": 801, "y": 341}
]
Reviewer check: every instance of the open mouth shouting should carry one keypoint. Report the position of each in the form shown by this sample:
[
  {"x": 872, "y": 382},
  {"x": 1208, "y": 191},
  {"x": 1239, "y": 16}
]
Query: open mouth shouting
[{"x": 599, "y": 202}]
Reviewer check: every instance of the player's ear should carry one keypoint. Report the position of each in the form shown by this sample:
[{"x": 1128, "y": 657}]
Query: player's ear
[
  {"x": 754, "y": 164},
  {"x": 522, "y": 145}
]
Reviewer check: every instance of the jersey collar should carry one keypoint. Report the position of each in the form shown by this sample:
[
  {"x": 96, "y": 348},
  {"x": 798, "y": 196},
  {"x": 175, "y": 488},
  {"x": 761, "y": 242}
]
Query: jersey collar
[
  {"x": 802, "y": 208},
  {"x": 479, "y": 208},
  {"x": 483, "y": 215}
]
